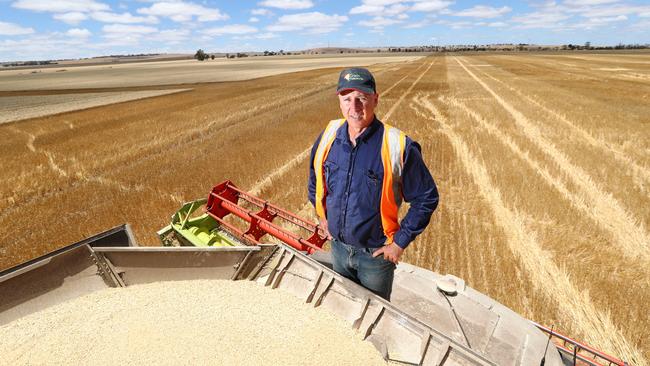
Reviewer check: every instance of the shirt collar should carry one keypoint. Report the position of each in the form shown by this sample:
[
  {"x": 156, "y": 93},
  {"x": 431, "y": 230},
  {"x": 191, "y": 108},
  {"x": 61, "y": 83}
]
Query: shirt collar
[{"x": 343, "y": 135}]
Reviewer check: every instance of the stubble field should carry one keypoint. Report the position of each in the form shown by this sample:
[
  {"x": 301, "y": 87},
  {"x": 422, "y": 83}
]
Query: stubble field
[
  {"x": 133, "y": 74},
  {"x": 542, "y": 162},
  {"x": 16, "y": 108}
]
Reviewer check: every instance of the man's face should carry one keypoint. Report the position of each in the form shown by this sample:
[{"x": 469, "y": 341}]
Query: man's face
[{"x": 358, "y": 108}]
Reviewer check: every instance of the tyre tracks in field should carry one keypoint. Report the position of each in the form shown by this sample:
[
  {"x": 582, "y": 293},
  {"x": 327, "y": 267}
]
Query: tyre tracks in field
[
  {"x": 304, "y": 211},
  {"x": 267, "y": 181},
  {"x": 574, "y": 305},
  {"x": 400, "y": 80},
  {"x": 81, "y": 176},
  {"x": 640, "y": 174},
  {"x": 277, "y": 173},
  {"x": 219, "y": 126},
  {"x": 31, "y": 139},
  {"x": 550, "y": 179},
  {"x": 629, "y": 234},
  {"x": 77, "y": 175},
  {"x": 159, "y": 148},
  {"x": 403, "y": 96}
]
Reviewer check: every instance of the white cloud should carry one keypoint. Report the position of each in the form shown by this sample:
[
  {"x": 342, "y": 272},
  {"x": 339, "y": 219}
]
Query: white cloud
[
  {"x": 643, "y": 25},
  {"x": 541, "y": 19},
  {"x": 264, "y": 12},
  {"x": 267, "y": 35},
  {"x": 613, "y": 10},
  {"x": 497, "y": 24},
  {"x": 456, "y": 25},
  {"x": 385, "y": 2},
  {"x": 170, "y": 36},
  {"x": 592, "y": 23},
  {"x": 314, "y": 22},
  {"x": 61, "y": 45},
  {"x": 579, "y": 14},
  {"x": 287, "y": 4},
  {"x": 78, "y": 33},
  {"x": 395, "y": 9},
  {"x": 482, "y": 11},
  {"x": 367, "y": 9},
  {"x": 619, "y": 18},
  {"x": 60, "y": 6},
  {"x": 380, "y": 10},
  {"x": 420, "y": 24},
  {"x": 430, "y": 5},
  {"x": 73, "y": 18},
  {"x": 230, "y": 29},
  {"x": 181, "y": 11},
  {"x": 128, "y": 18},
  {"x": 42, "y": 47},
  {"x": 379, "y": 22},
  {"x": 119, "y": 30},
  {"x": 588, "y": 2},
  {"x": 11, "y": 29},
  {"x": 253, "y": 19},
  {"x": 589, "y": 9},
  {"x": 388, "y": 8}
]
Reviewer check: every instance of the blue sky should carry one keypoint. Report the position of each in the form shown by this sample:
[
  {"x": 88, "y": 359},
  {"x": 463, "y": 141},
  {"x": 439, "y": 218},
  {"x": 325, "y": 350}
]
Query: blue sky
[{"x": 53, "y": 29}]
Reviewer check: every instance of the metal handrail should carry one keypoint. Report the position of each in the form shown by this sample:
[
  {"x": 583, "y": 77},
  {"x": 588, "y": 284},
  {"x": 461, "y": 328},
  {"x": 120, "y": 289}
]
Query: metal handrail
[{"x": 593, "y": 355}]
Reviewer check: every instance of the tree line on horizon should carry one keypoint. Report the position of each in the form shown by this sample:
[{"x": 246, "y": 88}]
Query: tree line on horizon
[{"x": 202, "y": 55}]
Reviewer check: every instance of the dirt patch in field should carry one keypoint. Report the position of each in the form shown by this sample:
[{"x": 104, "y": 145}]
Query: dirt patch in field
[{"x": 16, "y": 108}]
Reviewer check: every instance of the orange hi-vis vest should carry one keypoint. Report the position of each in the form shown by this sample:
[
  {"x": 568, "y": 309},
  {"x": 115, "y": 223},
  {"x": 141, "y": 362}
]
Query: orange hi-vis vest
[{"x": 392, "y": 158}]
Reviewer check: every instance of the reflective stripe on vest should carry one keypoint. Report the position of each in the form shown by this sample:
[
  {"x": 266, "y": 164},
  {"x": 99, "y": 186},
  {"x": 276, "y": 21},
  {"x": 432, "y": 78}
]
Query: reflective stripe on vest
[
  {"x": 392, "y": 157},
  {"x": 323, "y": 149}
]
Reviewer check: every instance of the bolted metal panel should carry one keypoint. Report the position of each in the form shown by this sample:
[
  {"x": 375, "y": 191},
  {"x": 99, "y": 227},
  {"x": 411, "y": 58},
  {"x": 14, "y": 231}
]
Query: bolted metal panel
[
  {"x": 254, "y": 261},
  {"x": 49, "y": 281},
  {"x": 154, "y": 264},
  {"x": 393, "y": 332}
]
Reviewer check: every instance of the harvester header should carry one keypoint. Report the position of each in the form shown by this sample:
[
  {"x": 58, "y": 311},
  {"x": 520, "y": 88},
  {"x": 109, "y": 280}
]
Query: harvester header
[{"x": 224, "y": 199}]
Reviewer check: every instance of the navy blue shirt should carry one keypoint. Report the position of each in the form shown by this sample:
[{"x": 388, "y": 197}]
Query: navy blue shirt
[{"x": 354, "y": 176}]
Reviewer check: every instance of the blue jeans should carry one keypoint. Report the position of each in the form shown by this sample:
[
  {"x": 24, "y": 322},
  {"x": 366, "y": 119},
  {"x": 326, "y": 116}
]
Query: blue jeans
[{"x": 375, "y": 274}]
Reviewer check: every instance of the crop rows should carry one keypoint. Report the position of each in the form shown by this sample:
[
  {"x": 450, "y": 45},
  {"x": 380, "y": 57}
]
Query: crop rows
[
  {"x": 543, "y": 171},
  {"x": 530, "y": 212}
]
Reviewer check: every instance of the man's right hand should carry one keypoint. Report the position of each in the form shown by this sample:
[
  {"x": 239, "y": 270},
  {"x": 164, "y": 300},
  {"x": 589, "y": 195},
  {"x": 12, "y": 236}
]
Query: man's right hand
[{"x": 323, "y": 226}]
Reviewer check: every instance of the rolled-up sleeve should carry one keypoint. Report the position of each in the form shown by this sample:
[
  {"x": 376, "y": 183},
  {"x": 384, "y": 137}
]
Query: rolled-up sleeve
[{"x": 419, "y": 191}]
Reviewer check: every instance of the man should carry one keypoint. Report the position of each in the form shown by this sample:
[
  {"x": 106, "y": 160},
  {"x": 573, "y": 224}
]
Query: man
[{"x": 360, "y": 171}]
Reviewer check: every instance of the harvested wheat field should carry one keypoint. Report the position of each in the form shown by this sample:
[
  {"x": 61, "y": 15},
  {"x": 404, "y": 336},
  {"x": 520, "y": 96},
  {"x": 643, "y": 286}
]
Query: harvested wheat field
[
  {"x": 178, "y": 72},
  {"x": 16, "y": 108},
  {"x": 543, "y": 171},
  {"x": 185, "y": 322}
]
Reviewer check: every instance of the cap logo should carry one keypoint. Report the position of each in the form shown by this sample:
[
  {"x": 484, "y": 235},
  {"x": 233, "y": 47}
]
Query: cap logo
[
  {"x": 357, "y": 79},
  {"x": 351, "y": 76}
]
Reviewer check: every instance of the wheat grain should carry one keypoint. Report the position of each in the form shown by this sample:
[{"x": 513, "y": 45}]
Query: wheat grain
[{"x": 184, "y": 322}]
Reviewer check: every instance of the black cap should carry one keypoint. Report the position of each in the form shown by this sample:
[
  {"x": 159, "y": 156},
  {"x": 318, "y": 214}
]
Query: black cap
[{"x": 356, "y": 78}]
